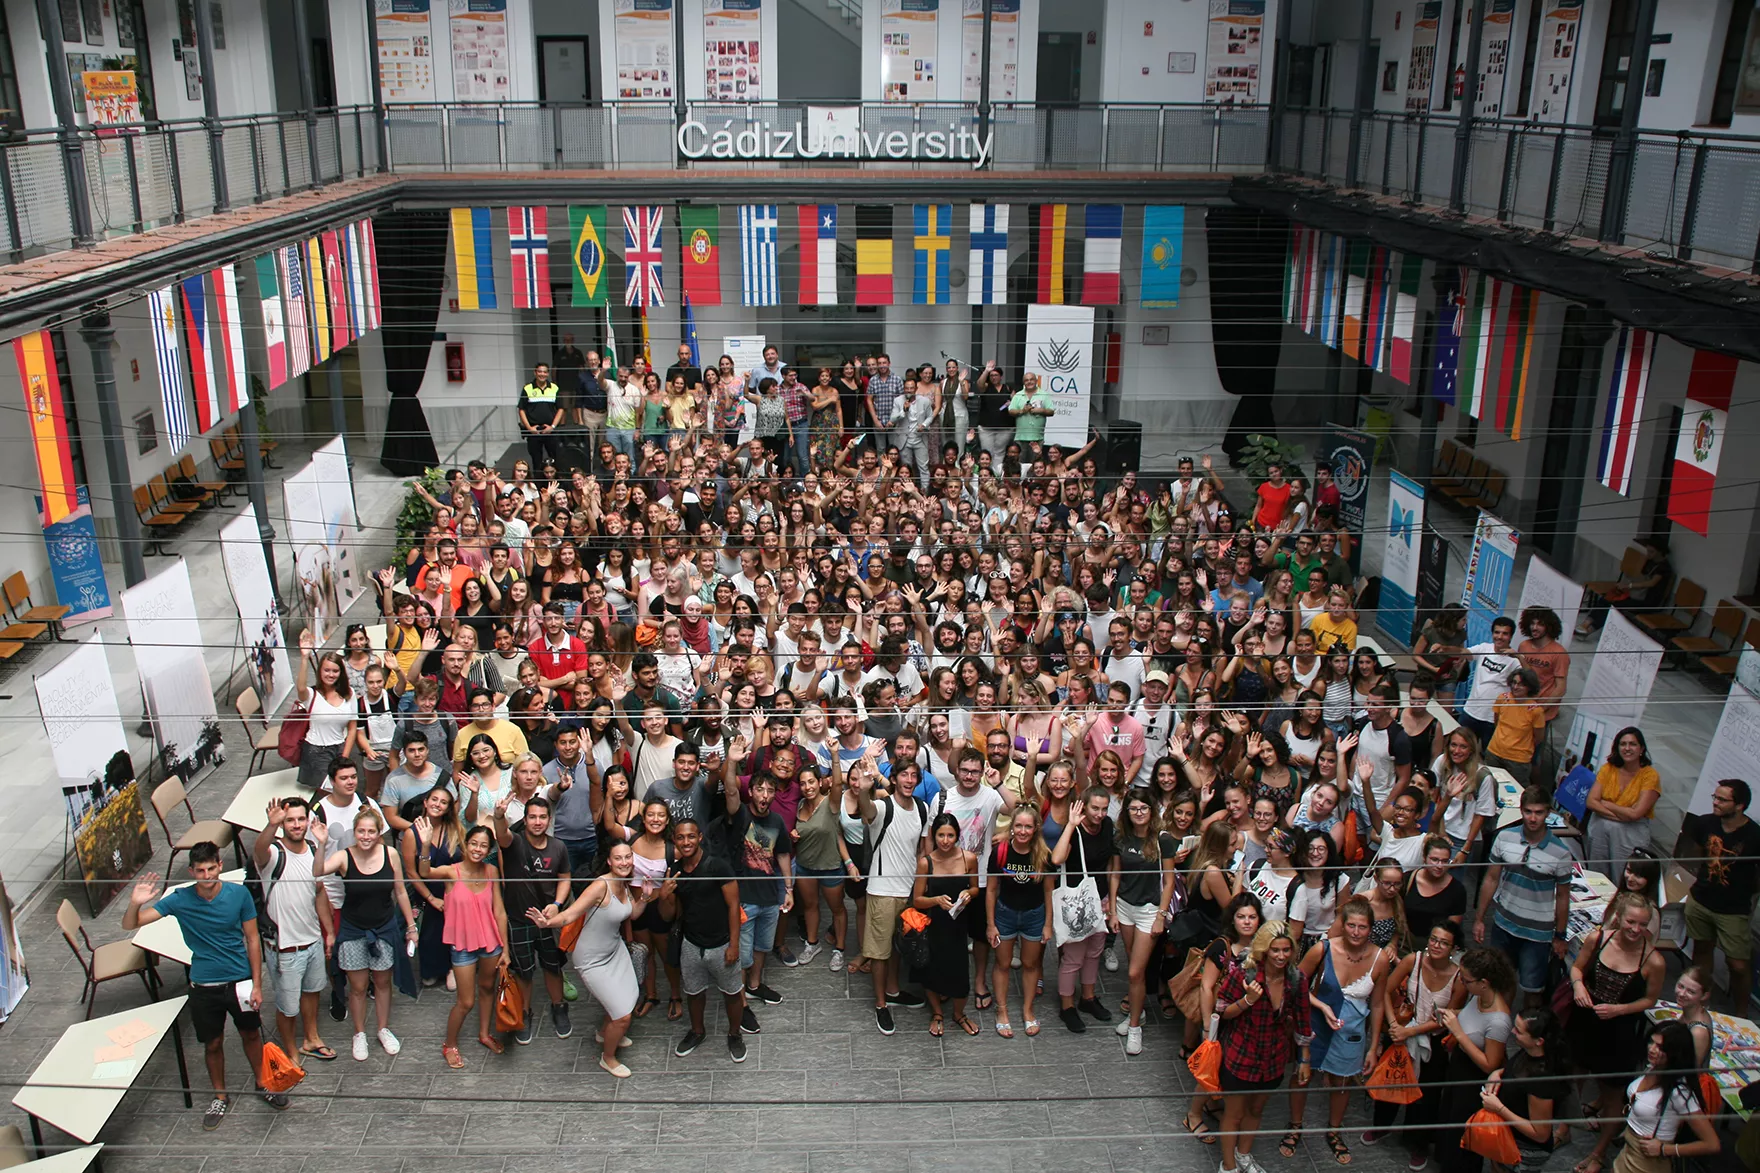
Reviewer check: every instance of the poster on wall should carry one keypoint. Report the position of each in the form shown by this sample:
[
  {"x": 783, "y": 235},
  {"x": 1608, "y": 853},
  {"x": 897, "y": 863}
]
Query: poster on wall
[
  {"x": 910, "y": 31},
  {"x": 76, "y": 564},
  {"x": 1233, "y": 52},
  {"x": 1400, "y": 557},
  {"x": 747, "y": 351},
  {"x": 1421, "y": 67},
  {"x": 1557, "y": 49},
  {"x": 406, "y": 50},
  {"x": 1734, "y": 748},
  {"x": 167, "y": 643},
  {"x": 1498, "y": 21},
  {"x": 481, "y": 69},
  {"x": 1546, "y": 587},
  {"x": 1351, "y": 456},
  {"x": 92, "y": 12},
  {"x": 731, "y": 57},
  {"x": 1432, "y": 573},
  {"x": 1060, "y": 350},
  {"x": 1490, "y": 567},
  {"x": 1621, "y": 674},
  {"x": 643, "y": 36},
  {"x": 304, "y": 507},
  {"x": 111, "y": 99},
  {"x": 72, "y": 23},
  {"x": 336, "y": 495},
  {"x": 1005, "y": 50},
  {"x": 253, "y": 593}
]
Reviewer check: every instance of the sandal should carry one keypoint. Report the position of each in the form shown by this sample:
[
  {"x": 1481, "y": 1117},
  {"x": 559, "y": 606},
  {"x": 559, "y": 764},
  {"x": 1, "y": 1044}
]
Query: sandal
[
  {"x": 965, "y": 1024},
  {"x": 647, "y": 1006},
  {"x": 492, "y": 1043},
  {"x": 1340, "y": 1151},
  {"x": 1292, "y": 1140},
  {"x": 1032, "y": 1025},
  {"x": 322, "y": 1051},
  {"x": 1588, "y": 1165},
  {"x": 453, "y": 1059},
  {"x": 984, "y": 1000},
  {"x": 674, "y": 1009},
  {"x": 1201, "y": 1129},
  {"x": 1004, "y": 1029},
  {"x": 859, "y": 965},
  {"x": 1168, "y": 1009},
  {"x": 935, "y": 1027}
]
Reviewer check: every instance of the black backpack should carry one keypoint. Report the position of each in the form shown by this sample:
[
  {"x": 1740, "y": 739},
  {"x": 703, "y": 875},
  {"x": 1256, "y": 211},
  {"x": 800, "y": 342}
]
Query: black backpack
[{"x": 258, "y": 887}]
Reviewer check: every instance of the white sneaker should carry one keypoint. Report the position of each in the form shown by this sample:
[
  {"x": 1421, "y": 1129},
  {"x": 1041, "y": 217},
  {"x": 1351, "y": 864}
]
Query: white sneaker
[
  {"x": 1133, "y": 1041},
  {"x": 1124, "y": 1025},
  {"x": 359, "y": 1050},
  {"x": 809, "y": 951},
  {"x": 837, "y": 961},
  {"x": 1015, "y": 961},
  {"x": 1247, "y": 1164},
  {"x": 1110, "y": 960},
  {"x": 386, "y": 1040}
]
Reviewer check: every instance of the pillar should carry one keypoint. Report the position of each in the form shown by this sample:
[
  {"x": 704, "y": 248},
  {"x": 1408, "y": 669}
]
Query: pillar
[
  {"x": 99, "y": 336},
  {"x": 254, "y": 487},
  {"x": 73, "y": 164},
  {"x": 1364, "y": 96},
  {"x": 1625, "y": 142},
  {"x": 307, "y": 103},
  {"x": 1463, "y": 127},
  {"x": 211, "y": 104}
]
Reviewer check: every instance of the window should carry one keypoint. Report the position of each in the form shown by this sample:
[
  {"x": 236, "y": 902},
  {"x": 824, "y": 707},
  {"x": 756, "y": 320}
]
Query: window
[
  {"x": 1525, "y": 91},
  {"x": 1616, "y": 63},
  {"x": 1729, "y": 67},
  {"x": 11, "y": 113}
]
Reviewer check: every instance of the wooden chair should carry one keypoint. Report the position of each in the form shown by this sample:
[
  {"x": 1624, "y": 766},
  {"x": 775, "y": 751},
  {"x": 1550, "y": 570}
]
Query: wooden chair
[
  {"x": 1491, "y": 495},
  {"x": 1726, "y": 628},
  {"x": 1689, "y": 599},
  {"x": 1630, "y": 564},
  {"x": 159, "y": 525},
  {"x": 264, "y": 447},
  {"x": 18, "y": 591},
  {"x": 105, "y": 962},
  {"x": 1444, "y": 462},
  {"x": 1456, "y": 474},
  {"x": 1471, "y": 484},
  {"x": 19, "y": 630},
  {"x": 164, "y": 501},
  {"x": 1726, "y": 665},
  {"x": 166, "y": 798},
  {"x": 250, "y": 707},
  {"x": 226, "y": 459},
  {"x": 212, "y": 491}
]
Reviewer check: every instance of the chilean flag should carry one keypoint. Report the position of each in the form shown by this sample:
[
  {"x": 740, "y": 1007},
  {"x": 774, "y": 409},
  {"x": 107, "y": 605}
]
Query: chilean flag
[
  {"x": 1633, "y": 350},
  {"x": 528, "y": 238},
  {"x": 1704, "y": 420},
  {"x": 230, "y": 373},
  {"x": 818, "y": 253}
]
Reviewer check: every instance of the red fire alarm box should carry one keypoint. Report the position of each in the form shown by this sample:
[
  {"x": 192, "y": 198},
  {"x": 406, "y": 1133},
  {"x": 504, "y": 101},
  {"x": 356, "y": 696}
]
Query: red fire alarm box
[{"x": 455, "y": 362}]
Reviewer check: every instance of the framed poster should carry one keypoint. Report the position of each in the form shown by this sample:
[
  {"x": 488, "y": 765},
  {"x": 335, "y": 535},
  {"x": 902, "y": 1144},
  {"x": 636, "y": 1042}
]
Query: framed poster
[
  {"x": 406, "y": 50},
  {"x": 1421, "y": 69},
  {"x": 92, "y": 12},
  {"x": 1005, "y": 50},
  {"x": 73, "y": 22},
  {"x": 480, "y": 64},
  {"x": 910, "y": 31},
  {"x": 732, "y": 59},
  {"x": 642, "y": 31},
  {"x": 1233, "y": 51},
  {"x": 125, "y": 23}
]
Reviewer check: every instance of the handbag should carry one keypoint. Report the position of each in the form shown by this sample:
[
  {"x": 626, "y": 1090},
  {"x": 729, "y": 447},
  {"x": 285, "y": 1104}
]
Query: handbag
[
  {"x": 1077, "y": 907},
  {"x": 1206, "y": 1062},
  {"x": 1564, "y": 1000},
  {"x": 290, "y": 742},
  {"x": 1186, "y": 987},
  {"x": 510, "y": 1000}
]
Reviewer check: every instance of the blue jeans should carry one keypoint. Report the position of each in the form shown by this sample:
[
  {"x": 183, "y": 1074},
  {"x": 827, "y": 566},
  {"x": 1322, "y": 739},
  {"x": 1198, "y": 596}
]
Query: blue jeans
[
  {"x": 801, "y": 451},
  {"x": 623, "y": 440},
  {"x": 758, "y": 931},
  {"x": 1530, "y": 957}
]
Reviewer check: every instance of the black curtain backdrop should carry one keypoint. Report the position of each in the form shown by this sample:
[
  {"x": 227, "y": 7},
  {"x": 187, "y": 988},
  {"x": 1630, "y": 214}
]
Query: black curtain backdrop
[
  {"x": 1247, "y": 250},
  {"x": 412, "y": 252}
]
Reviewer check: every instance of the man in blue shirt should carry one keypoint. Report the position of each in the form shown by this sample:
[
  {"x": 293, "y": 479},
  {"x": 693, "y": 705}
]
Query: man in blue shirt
[{"x": 219, "y": 923}]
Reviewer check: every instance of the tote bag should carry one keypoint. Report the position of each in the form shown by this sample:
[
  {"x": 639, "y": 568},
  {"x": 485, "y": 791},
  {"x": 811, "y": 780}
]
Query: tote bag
[{"x": 1077, "y": 906}]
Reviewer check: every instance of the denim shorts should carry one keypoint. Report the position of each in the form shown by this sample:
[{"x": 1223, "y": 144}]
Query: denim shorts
[
  {"x": 1027, "y": 926},
  {"x": 293, "y": 974},
  {"x": 828, "y": 878},
  {"x": 758, "y": 931},
  {"x": 472, "y": 956}
]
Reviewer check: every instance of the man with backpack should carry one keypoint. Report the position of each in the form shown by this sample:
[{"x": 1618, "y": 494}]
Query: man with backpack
[
  {"x": 977, "y": 800},
  {"x": 895, "y": 828},
  {"x": 294, "y": 923}
]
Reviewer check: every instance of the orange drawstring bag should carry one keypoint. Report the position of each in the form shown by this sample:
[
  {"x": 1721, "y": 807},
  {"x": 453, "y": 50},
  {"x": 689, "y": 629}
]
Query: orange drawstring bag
[
  {"x": 1710, "y": 1094},
  {"x": 1392, "y": 1081},
  {"x": 1206, "y": 1065},
  {"x": 914, "y": 921},
  {"x": 1488, "y": 1135},
  {"x": 279, "y": 1072}
]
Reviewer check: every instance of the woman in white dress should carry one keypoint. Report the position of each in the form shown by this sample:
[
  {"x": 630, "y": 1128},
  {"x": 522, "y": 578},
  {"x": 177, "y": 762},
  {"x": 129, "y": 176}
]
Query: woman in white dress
[{"x": 599, "y": 954}]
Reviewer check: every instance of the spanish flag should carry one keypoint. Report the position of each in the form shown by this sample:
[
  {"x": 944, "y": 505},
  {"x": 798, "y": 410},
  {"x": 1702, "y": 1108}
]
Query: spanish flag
[
  {"x": 320, "y": 305},
  {"x": 873, "y": 254},
  {"x": 48, "y": 415},
  {"x": 1053, "y": 224}
]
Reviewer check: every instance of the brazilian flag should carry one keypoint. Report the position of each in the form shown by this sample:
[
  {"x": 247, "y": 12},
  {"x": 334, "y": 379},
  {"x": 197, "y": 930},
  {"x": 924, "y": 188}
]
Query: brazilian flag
[{"x": 586, "y": 234}]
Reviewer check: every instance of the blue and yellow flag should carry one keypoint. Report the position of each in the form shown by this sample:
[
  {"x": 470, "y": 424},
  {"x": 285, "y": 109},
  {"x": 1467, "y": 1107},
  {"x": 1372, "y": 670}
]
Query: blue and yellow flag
[
  {"x": 586, "y": 234},
  {"x": 1164, "y": 252},
  {"x": 934, "y": 246},
  {"x": 472, "y": 248}
]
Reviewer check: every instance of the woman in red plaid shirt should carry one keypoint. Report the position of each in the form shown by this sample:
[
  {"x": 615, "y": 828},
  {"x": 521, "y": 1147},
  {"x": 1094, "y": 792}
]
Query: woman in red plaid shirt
[{"x": 1263, "y": 1004}]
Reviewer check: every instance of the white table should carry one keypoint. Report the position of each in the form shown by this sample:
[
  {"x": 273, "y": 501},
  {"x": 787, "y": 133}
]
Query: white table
[
  {"x": 64, "y": 1091},
  {"x": 165, "y": 936},
  {"x": 247, "y": 809},
  {"x": 71, "y": 1161}
]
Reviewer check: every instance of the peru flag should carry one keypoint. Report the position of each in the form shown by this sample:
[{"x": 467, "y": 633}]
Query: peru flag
[{"x": 1703, "y": 422}]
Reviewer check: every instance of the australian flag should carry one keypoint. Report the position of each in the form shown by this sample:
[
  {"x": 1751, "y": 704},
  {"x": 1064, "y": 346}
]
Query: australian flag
[{"x": 1451, "y": 323}]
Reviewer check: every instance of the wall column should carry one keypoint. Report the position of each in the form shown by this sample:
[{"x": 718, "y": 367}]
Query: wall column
[
  {"x": 73, "y": 164},
  {"x": 100, "y": 335}
]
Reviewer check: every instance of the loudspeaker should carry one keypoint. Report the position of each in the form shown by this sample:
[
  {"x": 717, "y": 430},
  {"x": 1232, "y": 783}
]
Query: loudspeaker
[{"x": 1124, "y": 447}]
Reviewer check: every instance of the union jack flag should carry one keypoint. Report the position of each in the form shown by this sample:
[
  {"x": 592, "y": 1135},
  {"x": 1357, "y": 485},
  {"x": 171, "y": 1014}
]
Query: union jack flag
[
  {"x": 641, "y": 256},
  {"x": 299, "y": 334}
]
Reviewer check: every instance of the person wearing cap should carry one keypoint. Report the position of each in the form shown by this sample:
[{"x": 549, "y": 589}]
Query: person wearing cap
[{"x": 1157, "y": 719}]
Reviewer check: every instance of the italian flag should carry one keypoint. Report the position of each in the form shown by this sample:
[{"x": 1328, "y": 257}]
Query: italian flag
[{"x": 1704, "y": 419}]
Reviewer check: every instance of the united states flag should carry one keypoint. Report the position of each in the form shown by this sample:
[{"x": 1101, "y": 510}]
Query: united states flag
[{"x": 299, "y": 334}]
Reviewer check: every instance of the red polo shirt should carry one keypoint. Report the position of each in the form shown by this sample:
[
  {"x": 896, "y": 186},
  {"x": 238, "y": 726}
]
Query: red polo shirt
[{"x": 554, "y": 663}]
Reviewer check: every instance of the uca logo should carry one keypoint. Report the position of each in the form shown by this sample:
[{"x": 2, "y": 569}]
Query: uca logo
[{"x": 1059, "y": 356}]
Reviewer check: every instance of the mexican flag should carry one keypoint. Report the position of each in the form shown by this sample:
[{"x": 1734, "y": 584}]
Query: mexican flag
[{"x": 1704, "y": 419}]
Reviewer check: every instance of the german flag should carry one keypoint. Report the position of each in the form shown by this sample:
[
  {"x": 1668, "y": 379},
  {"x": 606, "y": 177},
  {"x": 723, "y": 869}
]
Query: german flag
[
  {"x": 873, "y": 254},
  {"x": 1053, "y": 230},
  {"x": 48, "y": 416}
]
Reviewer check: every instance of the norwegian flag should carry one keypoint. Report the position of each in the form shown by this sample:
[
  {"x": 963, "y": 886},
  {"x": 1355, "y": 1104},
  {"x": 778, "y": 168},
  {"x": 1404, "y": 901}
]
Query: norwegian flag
[
  {"x": 528, "y": 238},
  {"x": 641, "y": 255},
  {"x": 297, "y": 313}
]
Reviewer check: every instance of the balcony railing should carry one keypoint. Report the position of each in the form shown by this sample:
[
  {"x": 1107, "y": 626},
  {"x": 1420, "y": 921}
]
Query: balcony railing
[{"x": 1695, "y": 196}]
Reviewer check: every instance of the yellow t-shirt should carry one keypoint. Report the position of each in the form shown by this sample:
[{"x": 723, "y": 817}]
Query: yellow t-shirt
[
  {"x": 1327, "y": 631},
  {"x": 1518, "y": 725},
  {"x": 509, "y": 740}
]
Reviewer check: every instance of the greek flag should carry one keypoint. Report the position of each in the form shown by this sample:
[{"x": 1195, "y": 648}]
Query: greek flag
[{"x": 757, "y": 247}]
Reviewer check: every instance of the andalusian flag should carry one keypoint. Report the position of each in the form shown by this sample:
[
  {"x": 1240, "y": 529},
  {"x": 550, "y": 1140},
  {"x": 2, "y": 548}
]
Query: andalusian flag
[
  {"x": 586, "y": 235},
  {"x": 48, "y": 416}
]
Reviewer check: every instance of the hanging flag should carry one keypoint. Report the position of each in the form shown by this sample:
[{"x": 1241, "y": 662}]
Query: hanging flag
[
  {"x": 1472, "y": 342},
  {"x": 351, "y": 268},
  {"x": 610, "y": 342},
  {"x": 1489, "y": 307},
  {"x": 1313, "y": 281},
  {"x": 873, "y": 254},
  {"x": 932, "y": 249},
  {"x": 370, "y": 256},
  {"x": 647, "y": 355},
  {"x": 42, "y": 400},
  {"x": 192, "y": 295},
  {"x": 699, "y": 265},
  {"x": 758, "y": 283},
  {"x": 1295, "y": 259},
  {"x": 1404, "y": 327},
  {"x": 1053, "y": 227},
  {"x": 1518, "y": 358},
  {"x": 274, "y": 323},
  {"x": 1378, "y": 308},
  {"x": 1700, "y": 447},
  {"x": 336, "y": 287},
  {"x": 818, "y": 253},
  {"x": 1451, "y": 325},
  {"x": 231, "y": 376},
  {"x": 987, "y": 272},
  {"x": 1632, "y": 352},
  {"x": 1164, "y": 252},
  {"x": 690, "y": 334},
  {"x": 161, "y": 308},
  {"x": 1102, "y": 252},
  {"x": 586, "y": 234},
  {"x": 1356, "y": 298},
  {"x": 528, "y": 245},
  {"x": 473, "y": 259},
  {"x": 1332, "y": 292},
  {"x": 641, "y": 255},
  {"x": 299, "y": 336},
  {"x": 314, "y": 259}
]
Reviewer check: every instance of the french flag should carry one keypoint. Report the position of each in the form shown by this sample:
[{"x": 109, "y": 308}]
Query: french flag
[
  {"x": 1704, "y": 421},
  {"x": 1104, "y": 241},
  {"x": 193, "y": 291},
  {"x": 818, "y": 253},
  {"x": 1633, "y": 350}
]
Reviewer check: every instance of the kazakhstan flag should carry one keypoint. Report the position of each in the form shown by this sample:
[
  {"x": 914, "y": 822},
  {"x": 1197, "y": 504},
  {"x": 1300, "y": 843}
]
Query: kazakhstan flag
[{"x": 1164, "y": 234}]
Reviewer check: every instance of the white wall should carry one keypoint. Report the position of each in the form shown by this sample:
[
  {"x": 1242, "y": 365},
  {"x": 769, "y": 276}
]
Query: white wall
[
  {"x": 1128, "y": 52},
  {"x": 1068, "y": 16}
]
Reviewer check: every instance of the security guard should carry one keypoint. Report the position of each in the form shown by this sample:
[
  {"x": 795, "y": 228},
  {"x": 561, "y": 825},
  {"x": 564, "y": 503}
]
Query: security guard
[{"x": 538, "y": 417}]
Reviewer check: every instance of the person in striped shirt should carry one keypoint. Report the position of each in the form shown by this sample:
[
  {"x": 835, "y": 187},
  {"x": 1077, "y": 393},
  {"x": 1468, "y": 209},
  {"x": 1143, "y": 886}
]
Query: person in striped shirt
[{"x": 1526, "y": 894}]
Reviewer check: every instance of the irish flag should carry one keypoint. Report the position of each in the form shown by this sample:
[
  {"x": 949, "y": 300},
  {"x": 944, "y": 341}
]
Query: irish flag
[{"x": 1696, "y": 453}]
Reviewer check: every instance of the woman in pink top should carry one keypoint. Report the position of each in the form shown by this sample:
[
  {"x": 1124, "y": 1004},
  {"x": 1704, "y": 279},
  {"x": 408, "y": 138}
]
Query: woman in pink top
[{"x": 476, "y": 929}]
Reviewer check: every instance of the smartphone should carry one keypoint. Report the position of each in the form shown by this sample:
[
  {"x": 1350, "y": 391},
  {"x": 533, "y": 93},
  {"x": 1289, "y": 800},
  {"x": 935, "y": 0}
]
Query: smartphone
[{"x": 859, "y": 440}]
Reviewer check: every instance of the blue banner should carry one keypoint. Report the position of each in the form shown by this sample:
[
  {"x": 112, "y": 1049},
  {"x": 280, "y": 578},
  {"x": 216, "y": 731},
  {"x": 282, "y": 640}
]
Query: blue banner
[
  {"x": 76, "y": 565},
  {"x": 1401, "y": 558},
  {"x": 1164, "y": 243},
  {"x": 1489, "y": 569}
]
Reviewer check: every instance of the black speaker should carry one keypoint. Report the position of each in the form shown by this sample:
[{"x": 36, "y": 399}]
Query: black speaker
[{"x": 1124, "y": 447}]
